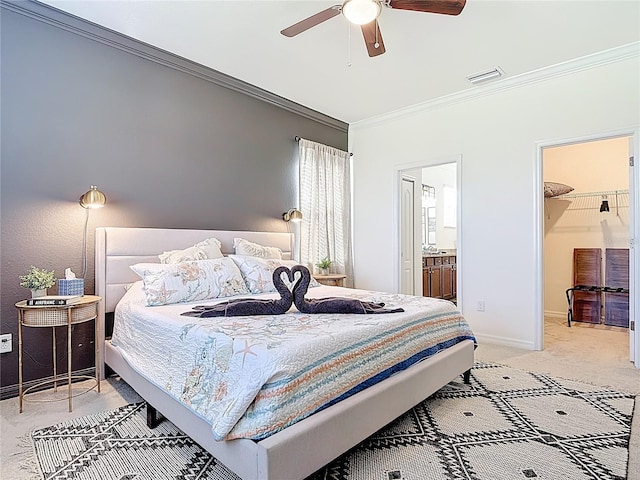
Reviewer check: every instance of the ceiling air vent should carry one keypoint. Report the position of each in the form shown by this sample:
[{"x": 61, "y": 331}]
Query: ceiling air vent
[{"x": 486, "y": 76}]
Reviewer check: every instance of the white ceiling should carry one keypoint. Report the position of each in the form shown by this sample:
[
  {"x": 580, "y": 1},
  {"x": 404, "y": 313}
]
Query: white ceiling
[{"x": 428, "y": 56}]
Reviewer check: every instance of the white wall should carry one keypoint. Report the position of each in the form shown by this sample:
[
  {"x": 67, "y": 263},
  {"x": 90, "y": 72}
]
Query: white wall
[
  {"x": 577, "y": 222},
  {"x": 438, "y": 177},
  {"x": 498, "y": 137}
]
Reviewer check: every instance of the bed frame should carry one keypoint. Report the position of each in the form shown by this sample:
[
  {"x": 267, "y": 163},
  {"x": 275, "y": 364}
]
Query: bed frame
[{"x": 299, "y": 450}]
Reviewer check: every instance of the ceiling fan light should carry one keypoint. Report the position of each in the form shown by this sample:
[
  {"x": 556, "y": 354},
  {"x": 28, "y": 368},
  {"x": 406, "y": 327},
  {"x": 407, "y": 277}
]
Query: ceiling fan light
[{"x": 361, "y": 12}]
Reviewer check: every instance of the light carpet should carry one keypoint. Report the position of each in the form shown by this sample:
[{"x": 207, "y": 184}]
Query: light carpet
[{"x": 507, "y": 424}]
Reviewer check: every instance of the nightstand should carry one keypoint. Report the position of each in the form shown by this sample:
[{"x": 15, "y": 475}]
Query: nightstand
[
  {"x": 54, "y": 316},
  {"x": 333, "y": 280}
]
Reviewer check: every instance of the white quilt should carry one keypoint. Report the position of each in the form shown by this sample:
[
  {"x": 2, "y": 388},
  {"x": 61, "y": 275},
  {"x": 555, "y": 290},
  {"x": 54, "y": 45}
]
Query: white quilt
[{"x": 250, "y": 377}]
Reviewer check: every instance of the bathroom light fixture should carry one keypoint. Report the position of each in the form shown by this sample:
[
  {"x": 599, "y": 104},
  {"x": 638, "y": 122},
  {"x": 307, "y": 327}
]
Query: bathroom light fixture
[
  {"x": 361, "y": 12},
  {"x": 293, "y": 215},
  {"x": 604, "y": 207},
  {"x": 94, "y": 198}
]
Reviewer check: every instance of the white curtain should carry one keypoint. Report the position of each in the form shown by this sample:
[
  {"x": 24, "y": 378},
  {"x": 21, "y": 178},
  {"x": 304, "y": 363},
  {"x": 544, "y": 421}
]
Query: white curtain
[{"x": 325, "y": 203}]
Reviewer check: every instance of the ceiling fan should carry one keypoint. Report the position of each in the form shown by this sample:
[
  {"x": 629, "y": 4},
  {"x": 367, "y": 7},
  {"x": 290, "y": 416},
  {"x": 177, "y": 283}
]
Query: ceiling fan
[{"x": 365, "y": 13}]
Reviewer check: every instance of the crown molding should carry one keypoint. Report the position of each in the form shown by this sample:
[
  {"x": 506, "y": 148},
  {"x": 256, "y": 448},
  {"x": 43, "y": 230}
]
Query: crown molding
[
  {"x": 613, "y": 55},
  {"x": 78, "y": 26}
]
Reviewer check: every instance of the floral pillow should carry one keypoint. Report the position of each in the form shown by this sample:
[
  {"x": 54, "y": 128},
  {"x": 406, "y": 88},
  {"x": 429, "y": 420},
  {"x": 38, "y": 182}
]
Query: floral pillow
[
  {"x": 258, "y": 272},
  {"x": 206, "y": 249},
  {"x": 165, "y": 284},
  {"x": 245, "y": 247}
]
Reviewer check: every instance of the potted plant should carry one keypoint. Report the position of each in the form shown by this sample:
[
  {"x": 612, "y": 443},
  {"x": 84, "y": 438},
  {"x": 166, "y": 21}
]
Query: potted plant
[
  {"x": 38, "y": 280},
  {"x": 324, "y": 265}
]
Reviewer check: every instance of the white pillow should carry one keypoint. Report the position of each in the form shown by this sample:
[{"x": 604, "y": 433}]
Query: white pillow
[
  {"x": 258, "y": 272},
  {"x": 206, "y": 249},
  {"x": 245, "y": 247},
  {"x": 190, "y": 281}
]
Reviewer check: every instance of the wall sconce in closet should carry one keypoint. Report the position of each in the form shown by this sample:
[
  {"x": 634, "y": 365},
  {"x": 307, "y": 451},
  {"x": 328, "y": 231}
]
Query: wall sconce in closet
[
  {"x": 293, "y": 215},
  {"x": 604, "y": 207}
]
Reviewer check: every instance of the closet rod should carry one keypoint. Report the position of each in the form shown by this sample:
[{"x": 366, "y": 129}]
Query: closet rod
[
  {"x": 297, "y": 139},
  {"x": 593, "y": 194}
]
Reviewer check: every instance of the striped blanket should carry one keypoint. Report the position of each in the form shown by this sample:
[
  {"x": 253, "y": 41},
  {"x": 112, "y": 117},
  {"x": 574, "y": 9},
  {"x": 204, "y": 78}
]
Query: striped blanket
[{"x": 251, "y": 377}]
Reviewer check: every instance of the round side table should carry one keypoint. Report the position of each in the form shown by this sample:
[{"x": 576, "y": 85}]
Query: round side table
[{"x": 84, "y": 310}]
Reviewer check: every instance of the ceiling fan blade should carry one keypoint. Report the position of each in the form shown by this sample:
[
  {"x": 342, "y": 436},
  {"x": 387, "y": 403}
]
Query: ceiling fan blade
[
  {"x": 446, "y": 7},
  {"x": 312, "y": 21},
  {"x": 373, "y": 38}
]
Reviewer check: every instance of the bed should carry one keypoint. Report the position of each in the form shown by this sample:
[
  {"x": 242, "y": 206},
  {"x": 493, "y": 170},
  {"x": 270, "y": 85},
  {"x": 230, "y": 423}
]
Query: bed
[{"x": 300, "y": 449}]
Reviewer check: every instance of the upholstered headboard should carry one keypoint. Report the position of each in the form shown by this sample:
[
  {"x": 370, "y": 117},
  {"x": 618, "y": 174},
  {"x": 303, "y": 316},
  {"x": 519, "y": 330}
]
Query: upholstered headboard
[{"x": 117, "y": 248}]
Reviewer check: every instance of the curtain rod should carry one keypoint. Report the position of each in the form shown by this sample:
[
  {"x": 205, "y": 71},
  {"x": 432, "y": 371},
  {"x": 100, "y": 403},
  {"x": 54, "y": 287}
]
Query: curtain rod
[
  {"x": 297, "y": 139},
  {"x": 593, "y": 194}
]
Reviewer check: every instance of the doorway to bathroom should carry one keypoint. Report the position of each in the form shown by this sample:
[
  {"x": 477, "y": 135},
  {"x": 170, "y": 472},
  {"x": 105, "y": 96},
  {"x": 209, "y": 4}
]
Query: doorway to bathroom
[{"x": 429, "y": 229}]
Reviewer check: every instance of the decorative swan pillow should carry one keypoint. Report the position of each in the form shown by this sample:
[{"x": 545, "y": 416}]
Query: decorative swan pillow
[
  {"x": 245, "y": 247},
  {"x": 165, "y": 284},
  {"x": 206, "y": 249},
  {"x": 258, "y": 272}
]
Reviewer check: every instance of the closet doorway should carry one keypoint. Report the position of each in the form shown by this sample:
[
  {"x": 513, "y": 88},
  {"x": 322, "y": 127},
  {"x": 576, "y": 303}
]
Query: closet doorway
[{"x": 587, "y": 229}]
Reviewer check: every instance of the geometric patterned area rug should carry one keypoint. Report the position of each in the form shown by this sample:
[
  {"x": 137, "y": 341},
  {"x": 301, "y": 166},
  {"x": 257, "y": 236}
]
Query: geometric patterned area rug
[{"x": 507, "y": 424}]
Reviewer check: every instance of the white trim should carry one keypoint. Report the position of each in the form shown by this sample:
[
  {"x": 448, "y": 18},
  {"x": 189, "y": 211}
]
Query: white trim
[
  {"x": 594, "y": 60},
  {"x": 538, "y": 299},
  {"x": 459, "y": 254},
  {"x": 505, "y": 341},
  {"x": 551, "y": 314},
  {"x": 395, "y": 232},
  {"x": 538, "y": 248},
  {"x": 634, "y": 312}
]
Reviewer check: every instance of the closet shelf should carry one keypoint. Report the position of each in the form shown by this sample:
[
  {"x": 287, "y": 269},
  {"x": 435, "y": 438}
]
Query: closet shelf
[
  {"x": 593, "y": 194},
  {"x": 618, "y": 199}
]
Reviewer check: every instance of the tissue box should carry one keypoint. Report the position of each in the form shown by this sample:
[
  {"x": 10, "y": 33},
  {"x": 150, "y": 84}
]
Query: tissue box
[{"x": 71, "y": 287}]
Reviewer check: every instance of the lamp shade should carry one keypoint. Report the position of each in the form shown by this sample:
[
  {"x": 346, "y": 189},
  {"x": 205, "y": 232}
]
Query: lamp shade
[
  {"x": 94, "y": 198},
  {"x": 293, "y": 215},
  {"x": 361, "y": 12}
]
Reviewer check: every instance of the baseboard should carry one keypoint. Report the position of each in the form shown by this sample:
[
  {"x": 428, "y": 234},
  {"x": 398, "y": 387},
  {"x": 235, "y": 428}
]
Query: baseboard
[
  {"x": 551, "y": 314},
  {"x": 10, "y": 391},
  {"x": 504, "y": 341}
]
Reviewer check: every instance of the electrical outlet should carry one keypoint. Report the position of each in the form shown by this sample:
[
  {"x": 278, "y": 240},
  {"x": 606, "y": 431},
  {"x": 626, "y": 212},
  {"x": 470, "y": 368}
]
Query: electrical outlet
[
  {"x": 6, "y": 344},
  {"x": 480, "y": 306}
]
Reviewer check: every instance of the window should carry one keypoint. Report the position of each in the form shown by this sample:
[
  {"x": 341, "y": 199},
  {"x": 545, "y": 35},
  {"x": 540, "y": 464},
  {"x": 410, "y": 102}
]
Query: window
[
  {"x": 428, "y": 215},
  {"x": 449, "y": 207}
]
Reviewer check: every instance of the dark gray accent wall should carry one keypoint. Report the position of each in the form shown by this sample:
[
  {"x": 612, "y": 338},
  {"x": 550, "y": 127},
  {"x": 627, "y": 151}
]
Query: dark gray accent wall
[{"x": 171, "y": 143}]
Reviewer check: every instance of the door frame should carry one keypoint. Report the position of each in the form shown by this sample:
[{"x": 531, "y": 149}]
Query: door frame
[
  {"x": 634, "y": 231},
  {"x": 395, "y": 243}
]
